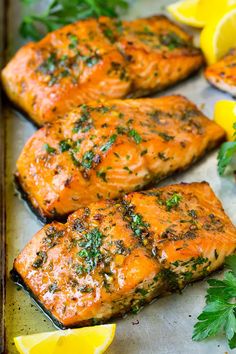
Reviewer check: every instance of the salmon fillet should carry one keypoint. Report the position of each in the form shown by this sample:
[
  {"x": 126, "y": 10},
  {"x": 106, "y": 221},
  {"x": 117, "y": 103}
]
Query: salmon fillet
[
  {"x": 94, "y": 59},
  {"x": 223, "y": 73},
  {"x": 103, "y": 149},
  {"x": 114, "y": 256}
]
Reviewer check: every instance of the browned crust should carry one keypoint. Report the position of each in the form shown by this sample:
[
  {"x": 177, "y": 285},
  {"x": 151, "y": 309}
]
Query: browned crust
[
  {"x": 193, "y": 52},
  {"x": 62, "y": 218},
  {"x": 18, "y": 280}
]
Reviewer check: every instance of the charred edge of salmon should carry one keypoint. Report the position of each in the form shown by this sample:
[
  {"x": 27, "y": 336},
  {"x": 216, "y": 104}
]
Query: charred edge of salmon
[
  {"x": 25, "y": 197},
  {"x": 214, "y": 85},
  {"x": 18, "y": 280},
  {"x": 63, "y": 218}
]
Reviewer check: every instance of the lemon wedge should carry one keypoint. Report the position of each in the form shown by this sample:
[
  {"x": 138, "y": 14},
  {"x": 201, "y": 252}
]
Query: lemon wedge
[
  {"x": 87, "y": 340},
  {"x": 225, "y": 116},
  {"x": 186, "y": 12},
  {"x": 219, "y": 36},
  {"x": 207, "y": 10}
]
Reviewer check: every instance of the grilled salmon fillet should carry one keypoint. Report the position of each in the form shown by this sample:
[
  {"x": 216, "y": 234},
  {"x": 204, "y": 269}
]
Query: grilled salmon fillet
[
  {"x": 103, "y": 149},
  {"x": 94, "y": 59},
  {"x": 114, "y": 256},
  {"x": 223, "y": 73}
]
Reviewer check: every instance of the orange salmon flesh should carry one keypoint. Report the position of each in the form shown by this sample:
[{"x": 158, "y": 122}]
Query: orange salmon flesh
[
  {"x": 112, "y": 257},
  {"x": 94, "y": 59},
  {"x": 105, "y": 149},
  {"x": 222, "y": 74}
]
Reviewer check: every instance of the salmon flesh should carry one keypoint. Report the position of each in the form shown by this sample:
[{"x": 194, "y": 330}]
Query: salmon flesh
[
  {"x": 94, "y": 59},
  {"x": 105, "y": 149},
  {"x": 222, "y": 74},
  {"x": 112, "y": 257}
]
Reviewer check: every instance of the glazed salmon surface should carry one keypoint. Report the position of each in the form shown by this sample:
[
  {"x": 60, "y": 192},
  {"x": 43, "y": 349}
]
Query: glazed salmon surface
[
  {"x": 223, "y": 73},
  {"x": 101, "y": 150},
  {"x": 93, "y": 59},
  {"x": 114, "y": 256}
]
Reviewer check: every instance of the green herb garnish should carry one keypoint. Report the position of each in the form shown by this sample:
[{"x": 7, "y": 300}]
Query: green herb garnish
[
  {"x": 49, "y": 149},
  {"x": 65, "y": 145},
  {"x": 90, "y": 251},
  {"x": 172, "y": 40},
  {"x": 59, "y": 13},
  {"x": 225, "y": 155},
  {"x": 40, "y": 259},
  {"x": 102, "y": 175},
  {"x": 219, "y": 314},
  {"x": 135, "y": 135},
  {"x": 110, "y": 142},
  {"x": 173, "y": 201},
  {"x": 87, "y": 159},
  {"x": 165, "y": 136}
]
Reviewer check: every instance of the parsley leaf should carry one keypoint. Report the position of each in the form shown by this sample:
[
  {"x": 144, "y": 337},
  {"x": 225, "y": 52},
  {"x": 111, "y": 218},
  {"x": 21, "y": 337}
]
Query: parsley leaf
[
  {"x": 61, "y": 12},
  {"x": 219, "y": 314},
  {"x": 226, "y": 153}
]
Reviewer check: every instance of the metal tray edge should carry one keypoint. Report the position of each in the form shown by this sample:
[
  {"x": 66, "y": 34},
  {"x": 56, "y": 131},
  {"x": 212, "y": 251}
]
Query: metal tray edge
[{"x": 3, "y": 25}]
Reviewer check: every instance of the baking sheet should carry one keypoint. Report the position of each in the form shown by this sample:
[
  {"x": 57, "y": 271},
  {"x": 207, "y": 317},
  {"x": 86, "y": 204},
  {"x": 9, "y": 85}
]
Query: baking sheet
[{"x": 164, "y": 326}]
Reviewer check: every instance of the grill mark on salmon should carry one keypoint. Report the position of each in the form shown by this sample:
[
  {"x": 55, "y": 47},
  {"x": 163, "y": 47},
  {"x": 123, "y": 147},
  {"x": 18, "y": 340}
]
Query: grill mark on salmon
[
  {"x": 114, "y": 256},
  {"x": 222, "y": 74},
  {"x": 103, "y": 149},
  {"x": 94, "y": 59}
]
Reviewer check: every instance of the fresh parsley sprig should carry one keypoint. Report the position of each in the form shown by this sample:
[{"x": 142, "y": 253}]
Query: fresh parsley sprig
[
  {"x": 219, "y": 314},
  {"x": 226, "y": 153},
  {"x": 62, "y": 12}
]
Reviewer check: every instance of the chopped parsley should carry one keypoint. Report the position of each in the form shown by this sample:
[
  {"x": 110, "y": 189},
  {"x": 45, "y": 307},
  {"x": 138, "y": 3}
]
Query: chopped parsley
[
  {"x": 87, "y": 159},
  {"x": 109, "y": 34},
  {"x": 40, "y": 259},
  {"x": 49, "y": 149},
  {"x": 65, "y": 145},
  {"x": 173, "y": 201},
  {"x": 172, "y": 40},
  {"x": 90, "y": 251},
  {"x": 73, "y": 41},
  {"x": 128, "y": 169},
  {"x": 109, "y": 143},
  {"x": 135, "y": 135},
  {"x": 102, "y": 175},
  {"x": 92, "y": 60},
  {"x": 48, "y": 66},
  {"x": 53, "y": 288},
  {"x": 165, "y": 136},
  {"x": 83, "y": 120},
  {"x": 144, "y": 152},
  {"x": 138, "y": 225}
]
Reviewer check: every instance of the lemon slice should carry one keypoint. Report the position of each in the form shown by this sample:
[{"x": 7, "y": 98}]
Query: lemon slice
[
  {"x": 225, "y": 116},
  {"x": 186, "y": 12},
  {"x": 219, "y": 36},
  {"x": 87, "y": 340}
]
